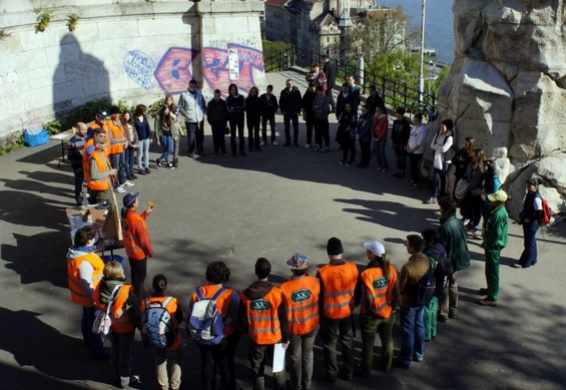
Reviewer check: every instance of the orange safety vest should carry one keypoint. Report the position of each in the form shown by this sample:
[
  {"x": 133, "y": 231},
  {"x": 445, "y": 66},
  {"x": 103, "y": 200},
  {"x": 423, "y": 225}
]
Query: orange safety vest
[
  {"x": 118, "y": 137},
  {"x": 301, "y": 301},
  {"x": 264, "y": 326},
  {"x": 121, "y": 321},
  {"x": 171, "y": 309},
  {"x": 380, "y": 289},
  {"x": 222, "y": 304},
  {"x": 103, "y": 165},
  {"x": 339, "y": 283},
  {"x": 133, "y": 237},
  {"x": 78, "y": 293},
  {"x": 86, "y": 157}
]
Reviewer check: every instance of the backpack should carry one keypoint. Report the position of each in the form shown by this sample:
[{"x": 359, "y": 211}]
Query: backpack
[
  {"x": 442, "y": 272},
  {"x": 422, "y": 292},
  {"x": 547, "y": 213},
  {"x": 102, "y": 320},
  {"x": 157, "y": 327},
  {"x": 206, "y": 324}
]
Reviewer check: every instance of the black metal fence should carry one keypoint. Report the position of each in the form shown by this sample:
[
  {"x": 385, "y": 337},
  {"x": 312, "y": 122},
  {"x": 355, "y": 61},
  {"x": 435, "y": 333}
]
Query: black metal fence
[{"x": 395, "y": 93}]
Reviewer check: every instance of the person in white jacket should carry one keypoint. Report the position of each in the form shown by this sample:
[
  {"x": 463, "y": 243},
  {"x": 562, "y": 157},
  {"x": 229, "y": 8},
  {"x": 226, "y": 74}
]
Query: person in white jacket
[
  {"x": 442, "y": 155},
  {"x": 415, "y": 147}
]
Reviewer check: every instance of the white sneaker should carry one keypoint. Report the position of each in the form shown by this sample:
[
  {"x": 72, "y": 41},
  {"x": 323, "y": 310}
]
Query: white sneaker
[
  {"x": 120, "y": 190},
  {"x": 274, "y": 143},
  {"x": 432, "y": 201},
  {"x": 307, "y": 146},
  {"x": 129, "y": 184}
]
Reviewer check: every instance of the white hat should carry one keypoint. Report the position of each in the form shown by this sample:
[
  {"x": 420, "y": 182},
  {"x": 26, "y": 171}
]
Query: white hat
[{"x": 375, "y": 247}]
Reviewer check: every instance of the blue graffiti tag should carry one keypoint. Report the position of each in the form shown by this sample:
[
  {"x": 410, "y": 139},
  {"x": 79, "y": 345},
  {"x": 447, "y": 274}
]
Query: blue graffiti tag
[{"x": 139, "y": 67}]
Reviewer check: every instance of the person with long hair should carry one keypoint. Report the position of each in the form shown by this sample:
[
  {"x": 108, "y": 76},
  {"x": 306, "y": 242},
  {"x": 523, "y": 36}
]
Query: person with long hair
[
  {"x": 166, "y": 132},
  {"x": 442, "y": 155},
  {"x": 132, "y": 144},
  {"x": 379, "y": 127},
  {"x": 463, "y": 157},
  {"x": 471, "y": 205},
  {"x": 141, "y": 123},
  {"x": 379, "y": 300},
  {"x": 346, "y": 134},
  {"x": 529, "y": 217},
  {"x": 253, "y": 116},
  {"x": 236, "y": 106}
]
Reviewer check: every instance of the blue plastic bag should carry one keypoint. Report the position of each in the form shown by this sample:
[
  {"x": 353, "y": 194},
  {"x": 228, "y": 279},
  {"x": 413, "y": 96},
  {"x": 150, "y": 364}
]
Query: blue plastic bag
[{"x": 35, "y": 137}]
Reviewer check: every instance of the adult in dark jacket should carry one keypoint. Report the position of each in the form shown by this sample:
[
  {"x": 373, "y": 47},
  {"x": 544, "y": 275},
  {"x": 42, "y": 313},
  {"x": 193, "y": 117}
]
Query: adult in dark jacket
[
  {"x": 321, "y": 106},
  {"x": 216, "y": 115},
  {"x": 253, "y": 114},
  {"x": 330, "y": 73},
  {"x": 453, "y": 238},
  {"x": 374, "y": 100},
  {"x": 346, "y": 134},
  {"x": 308, "y": 113},
  {"x": 363, "y": 135},
  {"x": 400, "y": 133},
  {"x": 290, "y": 103},
  {"x": 268, "y": 106},
  {"x": 345, "y": 96},
  {"x": 236, "y": 106},
  {"x": 529, "y": 217}
]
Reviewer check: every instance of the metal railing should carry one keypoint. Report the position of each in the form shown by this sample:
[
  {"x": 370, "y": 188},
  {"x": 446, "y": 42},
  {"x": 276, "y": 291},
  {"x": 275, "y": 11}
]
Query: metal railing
[{"x": 394, "y": 93}]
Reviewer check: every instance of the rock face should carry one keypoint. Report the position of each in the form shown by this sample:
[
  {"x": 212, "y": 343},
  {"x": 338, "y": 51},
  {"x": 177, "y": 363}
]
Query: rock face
[{"x": 507, "y": 89}]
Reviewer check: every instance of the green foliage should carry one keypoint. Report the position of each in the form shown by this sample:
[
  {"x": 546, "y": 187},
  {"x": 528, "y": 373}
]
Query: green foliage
[
  {"x": 275, "y": 55},
  {"x": 11, "y": 144},
  {"x": 44, "y": 15},
  {"x": 53, "y": 127},
  {"x": 72, "y": 21},
  {"x": 4, "y": 35},
  {"x": 85, "y": 113}
]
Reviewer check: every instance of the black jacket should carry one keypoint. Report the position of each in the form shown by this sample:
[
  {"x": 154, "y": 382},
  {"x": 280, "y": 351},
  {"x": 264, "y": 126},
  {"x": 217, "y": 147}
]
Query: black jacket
[
  {"x": 308, "y": 99},
  {"x": 216, "y": 111},
  {"x": 401, "y": 131},
  {"x": 330, "y": 73},
  {"x": 290, "y": 102},
  {"x": 268, "y": 106},
  {"x": 253, "y": 108}
]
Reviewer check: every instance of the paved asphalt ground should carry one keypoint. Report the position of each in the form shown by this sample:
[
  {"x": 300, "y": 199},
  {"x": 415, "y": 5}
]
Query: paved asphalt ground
[{"x": 269, "y": 204}]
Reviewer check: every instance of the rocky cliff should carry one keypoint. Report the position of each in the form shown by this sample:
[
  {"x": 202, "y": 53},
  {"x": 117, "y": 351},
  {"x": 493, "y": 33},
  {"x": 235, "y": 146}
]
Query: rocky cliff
[{"x": 507, "y": 89}]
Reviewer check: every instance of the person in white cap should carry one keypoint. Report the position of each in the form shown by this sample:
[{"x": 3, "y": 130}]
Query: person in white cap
[
  {"x": 495, "y": 230},
  {"x": 377, "y": 312}
]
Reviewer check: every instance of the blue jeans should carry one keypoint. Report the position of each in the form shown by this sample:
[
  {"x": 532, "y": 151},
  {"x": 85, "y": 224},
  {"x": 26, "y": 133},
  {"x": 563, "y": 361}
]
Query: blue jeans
[
  {"x": 143, "y": 152},
  {"x": 529, "y": 255},
  {"x": 439, "y": 181},
  {"x": 168, "y": 147},
  {"x": 118, "y": 162},
  {"x": 129, "y": 157},
  {"x": 379, "y": 151},
  {"x": 412, "y": 335},
  {"x": 93, "y": 341}
]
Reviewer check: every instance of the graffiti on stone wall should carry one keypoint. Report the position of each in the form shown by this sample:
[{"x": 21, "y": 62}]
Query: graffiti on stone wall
[
  {"x": 174, "y": 70},
  {"x": 139, "y": 67}
]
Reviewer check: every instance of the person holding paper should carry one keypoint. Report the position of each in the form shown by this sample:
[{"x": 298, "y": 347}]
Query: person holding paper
[
  {"x": 264, "y": 318},
  {"x": 301, "y": 301}
]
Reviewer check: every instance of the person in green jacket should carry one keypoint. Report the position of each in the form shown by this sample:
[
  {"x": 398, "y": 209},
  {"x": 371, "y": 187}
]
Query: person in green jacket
[
  {"x": 453, "y": 238},
  {"x": 494, "y": 240}
]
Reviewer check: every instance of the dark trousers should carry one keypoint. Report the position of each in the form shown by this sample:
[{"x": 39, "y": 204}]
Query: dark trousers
[
  {"x": 309, "y": 121},
  {"x": 92, "y": 340},
  {"x": 529, "y": 255},
  {"x": 264, "y": 120},
  {"x": 287, "y": 119},
  {"x": 415, "y": 159},
  {"x": 365, "y": 148},
  {"x": 138, "y": 272},
  {"x": 329, "y": 94},
  {"x": 322, "y": 132},
  {"x": 330, "y": 332},
  {"x": 79, "y": 179},
  {"x": 237, "y": 124},
  {"x": 258, "y": 355},
  {"x": 219, "y": 357},
  {"x": 348, "y": 150},
  {"x": 121, "y": 356},
  {"x": 400, "y": 156},
  {"x": 118, "y": 162},
  {"x": 370, "y": 326},
  {"x": 439, "y": 181},
  {"x": 195, "y": 137},
  {"x": 253, "y": 133},
  {"x": 218, "y": 136}
]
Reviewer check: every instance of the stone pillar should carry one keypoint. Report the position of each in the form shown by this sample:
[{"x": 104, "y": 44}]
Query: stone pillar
[{"x": 230, "y": 43}]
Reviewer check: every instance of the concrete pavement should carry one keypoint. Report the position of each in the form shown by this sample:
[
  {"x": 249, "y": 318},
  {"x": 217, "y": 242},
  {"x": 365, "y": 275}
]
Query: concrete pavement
[{"x": 269, "y": 204}]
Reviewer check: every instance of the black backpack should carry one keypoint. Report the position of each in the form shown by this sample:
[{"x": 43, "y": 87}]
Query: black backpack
[{"x": 422, "y": 292}]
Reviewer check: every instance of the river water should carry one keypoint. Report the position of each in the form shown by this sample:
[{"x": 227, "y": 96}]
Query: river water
[{"x": 439, "y": 23}]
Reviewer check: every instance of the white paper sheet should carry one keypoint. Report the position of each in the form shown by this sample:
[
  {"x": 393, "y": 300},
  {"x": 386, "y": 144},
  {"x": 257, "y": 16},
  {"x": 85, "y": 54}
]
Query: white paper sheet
[{"x": 278, "y": 357}]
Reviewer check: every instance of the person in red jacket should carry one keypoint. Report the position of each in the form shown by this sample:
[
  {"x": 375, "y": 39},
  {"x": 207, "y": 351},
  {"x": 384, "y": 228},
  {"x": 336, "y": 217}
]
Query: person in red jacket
[
  {"x": 379, "y": 126},
  {"x": 137, "y": 241}
]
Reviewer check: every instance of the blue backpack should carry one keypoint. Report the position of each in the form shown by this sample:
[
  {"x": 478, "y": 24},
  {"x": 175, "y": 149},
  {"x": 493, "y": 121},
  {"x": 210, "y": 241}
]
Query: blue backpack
[
  {"x": 422, "y": 292},
  {"x": 206, "y": 324}
]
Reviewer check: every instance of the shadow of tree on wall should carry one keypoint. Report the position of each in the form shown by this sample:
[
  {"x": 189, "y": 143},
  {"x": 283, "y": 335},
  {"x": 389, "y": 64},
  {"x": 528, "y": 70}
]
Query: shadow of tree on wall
[{"x": 78, "y": 78}]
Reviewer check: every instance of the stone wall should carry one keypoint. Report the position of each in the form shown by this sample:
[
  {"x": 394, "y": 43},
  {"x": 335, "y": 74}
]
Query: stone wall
[
  {"x": 129, "y": 50},
  {"x": 506, "y": 88}
]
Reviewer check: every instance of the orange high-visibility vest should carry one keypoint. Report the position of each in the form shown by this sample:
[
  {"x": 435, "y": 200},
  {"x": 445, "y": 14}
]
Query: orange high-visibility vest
[
  {"x": 171, "y": 309},
  {"x": 103, "y": 165},
  {"x": 121, "y": 321},
  {"x": 264, "y": 326},
  {"x": 339, "y": 283},
  {"x": 301, "y": 301},
  {"x": 222, "y": 304},
  {"x": 380, "y": 289},
  {"x": 117, "y": 136},
  {"x": 78, "y": 293},
  {"x": 135, "y": 236}
]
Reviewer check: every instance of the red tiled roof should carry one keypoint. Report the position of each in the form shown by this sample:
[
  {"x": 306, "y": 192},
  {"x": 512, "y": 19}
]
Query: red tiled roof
[{"x": 275, "y": 3}]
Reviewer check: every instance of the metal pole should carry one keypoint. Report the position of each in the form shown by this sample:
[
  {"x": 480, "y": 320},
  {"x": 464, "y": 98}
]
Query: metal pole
[{"x": 421, "y": 80}]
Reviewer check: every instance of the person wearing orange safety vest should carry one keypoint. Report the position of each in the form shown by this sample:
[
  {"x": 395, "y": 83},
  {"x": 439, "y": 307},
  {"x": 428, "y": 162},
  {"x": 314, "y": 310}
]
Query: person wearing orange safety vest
[
  {"x": 175, "y": 351},
  {"x": 338, "y": 282},
  {"x": 125, "y": 314},
  {"x": 137, "y": 241},
  {"x": 264, "y": 318},
  {"x": 301, "y": 301},
  {"x": 100, "y": 177},
  {"x": 84, "y": 271},
  {"x": 221, "y": 356},
  {"x": 378, "y": 303},
  {"x": 117, "y": 136}
]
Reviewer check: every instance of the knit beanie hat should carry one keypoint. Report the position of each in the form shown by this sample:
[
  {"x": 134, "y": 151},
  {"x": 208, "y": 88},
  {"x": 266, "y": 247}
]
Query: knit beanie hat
[{"x": 334, "y": 246}]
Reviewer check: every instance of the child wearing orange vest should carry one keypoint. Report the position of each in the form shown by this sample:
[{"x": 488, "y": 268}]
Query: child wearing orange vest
[
  {"x": 264, "y": 318},
  {"x": 125, "y": 313},
  {"x": 301, "y": 301}
]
